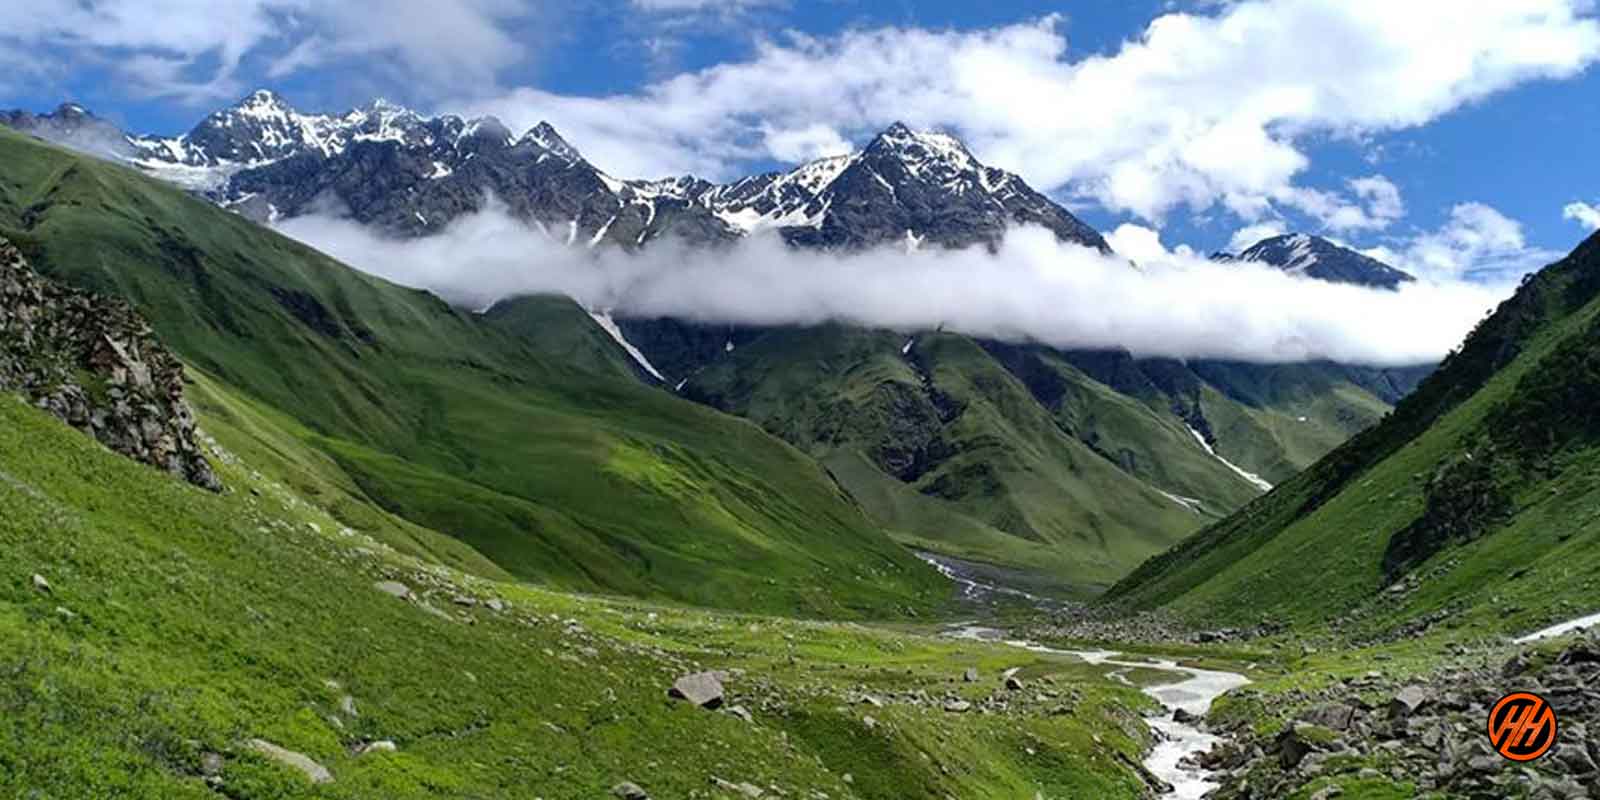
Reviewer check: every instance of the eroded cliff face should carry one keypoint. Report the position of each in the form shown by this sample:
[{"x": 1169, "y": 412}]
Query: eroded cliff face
[{"x": 94, "y": 363}]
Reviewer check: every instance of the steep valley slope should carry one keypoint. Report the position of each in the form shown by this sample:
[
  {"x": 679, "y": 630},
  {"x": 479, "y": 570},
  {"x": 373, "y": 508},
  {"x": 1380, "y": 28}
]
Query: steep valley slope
[
  {"x": 1473, "y": 504},
  {"x": 556, "y": 465},
  {"x": 1073, "y": 465}
]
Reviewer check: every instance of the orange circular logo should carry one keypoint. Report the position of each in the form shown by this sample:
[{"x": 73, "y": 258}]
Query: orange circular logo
[{"x": 1522, "y": 726}]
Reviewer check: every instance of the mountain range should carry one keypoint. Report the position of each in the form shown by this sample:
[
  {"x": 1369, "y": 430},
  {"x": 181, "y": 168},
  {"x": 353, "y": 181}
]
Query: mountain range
[
  {"x": 954, "y": 444},
  {"x": 408, "y": 174},
  {"x": 536, "y": 550}
]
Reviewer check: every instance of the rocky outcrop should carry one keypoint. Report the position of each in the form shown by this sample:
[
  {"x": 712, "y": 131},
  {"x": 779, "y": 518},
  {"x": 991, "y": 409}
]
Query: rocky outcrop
[
  {"x": 94, "y": 363},
  {"x": 1429, "y": 733}
]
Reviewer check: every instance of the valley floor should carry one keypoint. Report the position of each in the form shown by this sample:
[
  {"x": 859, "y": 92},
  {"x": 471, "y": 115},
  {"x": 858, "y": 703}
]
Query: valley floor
[
  {"x": 177, "y": 643},
  {"x": 163, "y": 641}
]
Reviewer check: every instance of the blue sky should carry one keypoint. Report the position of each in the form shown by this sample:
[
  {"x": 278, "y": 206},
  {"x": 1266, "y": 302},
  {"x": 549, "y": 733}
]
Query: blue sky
[{"x": 1448, "y": 143}]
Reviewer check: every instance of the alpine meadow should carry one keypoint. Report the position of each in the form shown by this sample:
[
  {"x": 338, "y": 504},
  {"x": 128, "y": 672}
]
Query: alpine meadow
[{"x": 738, "y": 399}]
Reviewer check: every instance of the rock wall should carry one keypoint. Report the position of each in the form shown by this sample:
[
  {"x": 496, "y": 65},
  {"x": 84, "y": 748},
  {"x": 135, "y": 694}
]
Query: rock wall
[{"x": 94, "y": 363}]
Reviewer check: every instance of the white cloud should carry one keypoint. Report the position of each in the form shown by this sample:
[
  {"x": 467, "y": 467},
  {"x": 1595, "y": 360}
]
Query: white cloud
[
  {"x": 1477, "y": 242},
  {"x": 193, "y": 49},
  {"x": 1382, "y": 197},
  {"x": 1200, "y": 109},
  {"x": 1583, "y": 214},
  {"x": 703, "y": 5},
  {"x": 1143, "y": 245},
  {"x": 1035, "y": 288},
  {"x": 1250, "y": 235},
  {"x": 806, "y": 144}
]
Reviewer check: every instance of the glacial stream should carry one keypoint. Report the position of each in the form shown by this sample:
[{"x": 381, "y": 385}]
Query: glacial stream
[
  {"x": 1177, "y": 740},
  {"x": 1194, "y": 693}
]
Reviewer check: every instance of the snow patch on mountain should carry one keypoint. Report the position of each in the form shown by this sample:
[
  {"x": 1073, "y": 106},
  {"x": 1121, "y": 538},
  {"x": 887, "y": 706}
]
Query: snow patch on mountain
[
  {"x": 609, "y": 325},
  {"x": 1251, "y": 477}
]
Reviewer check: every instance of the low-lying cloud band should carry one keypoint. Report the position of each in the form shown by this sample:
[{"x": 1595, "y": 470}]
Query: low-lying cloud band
[{"x": 1033, "y": 288}]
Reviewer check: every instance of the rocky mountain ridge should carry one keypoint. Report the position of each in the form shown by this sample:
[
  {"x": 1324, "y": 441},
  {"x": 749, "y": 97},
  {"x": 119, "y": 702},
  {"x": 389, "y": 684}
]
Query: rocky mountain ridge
[{"x": 410, "y": 174}]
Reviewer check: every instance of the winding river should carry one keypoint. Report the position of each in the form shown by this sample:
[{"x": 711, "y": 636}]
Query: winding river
[{"x": 1193, "y": 694}]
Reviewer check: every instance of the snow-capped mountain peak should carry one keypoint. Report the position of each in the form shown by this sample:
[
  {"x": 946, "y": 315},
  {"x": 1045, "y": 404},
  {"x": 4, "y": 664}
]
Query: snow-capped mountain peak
[
  {"x": 263, "y": 158},
  {"x": 1319, "y": 258},
  {"x": 544, "y": 135},
  {"x": 922, "y": 146}
]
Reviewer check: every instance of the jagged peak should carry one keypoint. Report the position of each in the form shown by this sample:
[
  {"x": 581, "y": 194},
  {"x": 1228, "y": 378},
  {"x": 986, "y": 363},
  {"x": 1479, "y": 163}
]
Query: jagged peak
[
  {"x": 897, "y": 130},
  {"x": 487, "y": 128},
  {"x": 262, "y": 98},
  {"x": 902, "y": 142},
  {"x": 545, "y": 135},
  {"x": 1319, "y": 257}
]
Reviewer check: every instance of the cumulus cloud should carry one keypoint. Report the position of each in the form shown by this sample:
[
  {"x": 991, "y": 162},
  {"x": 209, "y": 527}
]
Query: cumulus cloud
[
  {"x": 1582, "y": 213},
  {"x": 193, "y": 49},
  {"x": 1143, "y": 245},
  {"x": 1246, "y": 237},
  {"x": 1200, "y": 109},
  {"x": 1033, "y": 289},
  {"x": 1477, "y": 242}
]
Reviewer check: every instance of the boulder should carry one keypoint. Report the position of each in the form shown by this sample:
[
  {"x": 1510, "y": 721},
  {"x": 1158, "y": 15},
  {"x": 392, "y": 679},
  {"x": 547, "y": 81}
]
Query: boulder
[
  {"x": 1335, "y": 716},
  {"x": 1013, "y": 684},
  {"x": 957, "y": 706},
  {"x": 971, "y": 675},
  {"x": 1295, "y": 743},
  {"x": 1407, "y": 701},
  {"x": 313, "y": 771},
  {"x": 380, "y": 746},
  {"x": 742, "y": 789},
  {"x": 703, "y": 689},
  {"x": 40, "y": 584},
  {"x": 1575, "y": 758},
  {"x": 211, "y": 764},
  {"x": 394, "y": 588},
  {"x": 1580, "y": 653},
  {"x": 627, "y": 790}
]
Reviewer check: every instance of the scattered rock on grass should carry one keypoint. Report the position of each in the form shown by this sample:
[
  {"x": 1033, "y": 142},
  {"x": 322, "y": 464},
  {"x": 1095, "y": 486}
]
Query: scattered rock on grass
[
  {"x": 703, "y": 689},
  {"x": 745, "y": 789},
  {"x": 313, "y": 771},
  {"x": 628, "y": 790},
  {"x": 394, "y": 588},
  {"x": 40, "y": 583}
]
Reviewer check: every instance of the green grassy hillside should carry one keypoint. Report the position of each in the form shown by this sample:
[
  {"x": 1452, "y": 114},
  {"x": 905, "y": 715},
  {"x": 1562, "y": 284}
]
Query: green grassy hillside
[
  {"x": 1020, "y": 455},
  {"x": 948, "y": 448},
  {"x": 174, "y": 626},
  {"x": 1474, "y": 502},
  {"x": 521, "y": 434},
  {"x": 1270, "y": 419}
]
